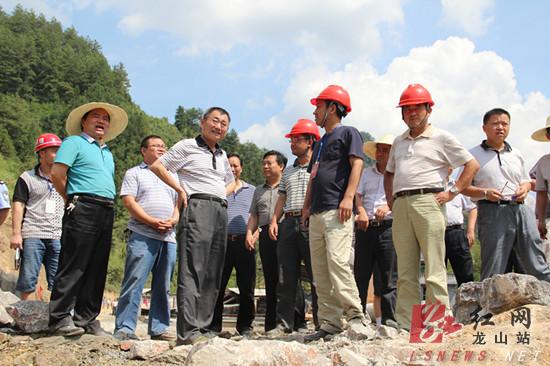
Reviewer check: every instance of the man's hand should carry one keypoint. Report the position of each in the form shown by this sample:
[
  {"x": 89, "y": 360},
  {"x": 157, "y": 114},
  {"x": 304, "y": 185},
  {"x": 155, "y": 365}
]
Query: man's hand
[
  {"x": 541, "y": 225},
  {"x": 471, "y": 236},
  {"x": 521, "y": 193},
  {"x": 444, "y": 197},
  {"x": 16, "y": 242},
  {"x": 493, "y": 195},
  {"x": 345, "y": 209},
  {"x": 273, "y": 230},
  {"x": 362, "y": 219},
  {"x": 381, "y": 212},
  {"x": 305, "y": 217},
  {"x": 250, "y": 241},
  {"x": 182, "y": 198},
  {"x": 165, "y": 225}
]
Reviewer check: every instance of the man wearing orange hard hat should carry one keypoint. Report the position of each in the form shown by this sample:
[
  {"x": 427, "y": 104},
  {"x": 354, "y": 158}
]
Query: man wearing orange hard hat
[
  {"x": 335, "y": 170},
  {"x": 36, "y": 219},
  {"x": 414, "y": 182}
]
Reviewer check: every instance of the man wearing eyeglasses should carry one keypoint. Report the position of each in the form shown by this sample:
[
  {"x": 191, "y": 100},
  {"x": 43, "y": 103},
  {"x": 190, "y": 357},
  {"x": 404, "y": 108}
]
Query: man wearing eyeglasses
[
  {"x": 151, "y": 245},
  {"x": 205, "y": 179},
  {"x": 505, "y": 224}
]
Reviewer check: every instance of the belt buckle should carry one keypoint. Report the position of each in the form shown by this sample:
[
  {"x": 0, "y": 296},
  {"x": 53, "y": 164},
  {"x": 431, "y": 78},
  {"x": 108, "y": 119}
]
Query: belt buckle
[{"x": 375, "y": 223}]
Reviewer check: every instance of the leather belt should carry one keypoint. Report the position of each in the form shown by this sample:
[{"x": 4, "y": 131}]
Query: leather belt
[
  {"x": 454, "y": 227},
  {"x": 414, "y": 192},
  {"x": 501, "y": 202},
  {"x": 239, "y": 237},
  {"x": 208, "y": 197},
  {"x": 384, "y": 223},
  {"x": 96, "y": 200},
  {"x": 296, "y": 213}
]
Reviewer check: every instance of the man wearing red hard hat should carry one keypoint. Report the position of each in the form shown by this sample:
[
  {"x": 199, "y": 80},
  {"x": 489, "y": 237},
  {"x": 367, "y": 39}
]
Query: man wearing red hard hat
[
  {"x": 335, "y": 170},
  {"x": 36, "y": 219},
  {"x": 414, "y": 182}
]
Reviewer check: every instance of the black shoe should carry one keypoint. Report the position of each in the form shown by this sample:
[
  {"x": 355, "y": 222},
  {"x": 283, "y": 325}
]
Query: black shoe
[
  {"x": 125, "y": 336},
  {"x": 320, "y": 334},
  {"x": 164, "y": 337},
  {"x": 96, "y": 330},
  {"x": 246, "y": 333},
  {"x": 70, "y": 330}
]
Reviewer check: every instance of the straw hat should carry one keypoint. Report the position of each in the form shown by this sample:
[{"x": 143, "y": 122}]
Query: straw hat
[
  {"x": 540, "y": 135},
  {"x": 117, "y": 115},
  {"x": 369, "y": 147}
]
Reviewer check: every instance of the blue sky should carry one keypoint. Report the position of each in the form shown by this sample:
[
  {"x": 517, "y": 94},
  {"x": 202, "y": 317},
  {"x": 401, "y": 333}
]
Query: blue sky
[{"x": 263, "y": 60}]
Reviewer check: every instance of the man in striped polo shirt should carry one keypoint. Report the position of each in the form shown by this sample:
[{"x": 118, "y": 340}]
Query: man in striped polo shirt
[
  {"x": 237, "y": 255},
  {"x": 36, "y": 218},
  {"x": 293, "y": 246},
  {"x": 205, "y": 178},
  {"x": 151, "y": 245}
]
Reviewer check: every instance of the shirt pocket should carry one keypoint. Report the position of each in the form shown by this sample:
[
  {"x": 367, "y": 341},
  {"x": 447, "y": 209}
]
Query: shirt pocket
[{"x": 335, "y": 150}]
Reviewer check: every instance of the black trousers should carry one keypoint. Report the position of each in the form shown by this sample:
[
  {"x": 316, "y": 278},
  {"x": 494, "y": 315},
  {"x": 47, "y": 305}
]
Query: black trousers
[
  {"x": 244, "y": 262},
  {"x": 457, "y": 252},
  {"x": 292, "y": 249},
  {"x": 80, "y": 280},
  {"x": 268, "y": 256},
  {"x": 201, "y": 241},
  {"x": 374, "y": 248}
]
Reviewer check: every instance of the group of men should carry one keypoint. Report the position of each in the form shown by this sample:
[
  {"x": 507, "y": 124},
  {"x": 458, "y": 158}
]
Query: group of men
[{"x": 402, "y": 208}]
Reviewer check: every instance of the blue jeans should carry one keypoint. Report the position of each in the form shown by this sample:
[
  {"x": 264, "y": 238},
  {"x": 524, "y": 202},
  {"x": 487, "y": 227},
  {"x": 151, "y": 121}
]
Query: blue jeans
[
  {"x": 35, "y": 252},
  {"x": 144, "y": 255}
]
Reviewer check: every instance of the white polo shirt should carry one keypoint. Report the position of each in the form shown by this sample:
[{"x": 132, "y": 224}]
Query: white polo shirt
[
  {"x": 502, "y": 170},
  {"x": 457, "y": 206},
  {"x": 371, "y": 188},
  {"x": 423, "y": 161}
]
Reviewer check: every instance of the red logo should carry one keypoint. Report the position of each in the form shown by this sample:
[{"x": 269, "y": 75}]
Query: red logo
[{"x": 429, "y": 323}]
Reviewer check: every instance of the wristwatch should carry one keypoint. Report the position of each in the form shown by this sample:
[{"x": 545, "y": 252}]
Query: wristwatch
[{"x": 454, "y": 190}]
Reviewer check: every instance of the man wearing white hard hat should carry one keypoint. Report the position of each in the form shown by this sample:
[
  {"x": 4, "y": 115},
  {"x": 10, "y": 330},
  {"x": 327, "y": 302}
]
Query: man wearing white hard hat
[
  {"x": 542, "y": 172},
  {"x": 84, "y": 175},
  {"x": 374, "y": 250}
]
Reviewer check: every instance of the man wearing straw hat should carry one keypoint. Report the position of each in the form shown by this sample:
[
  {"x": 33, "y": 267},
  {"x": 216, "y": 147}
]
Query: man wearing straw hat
[
  {"x": 374, "y": 250},
  {"x": 83, "y": 174},
  {"x": 542, "y": 171},
  {"x": 499, "y": 188}
]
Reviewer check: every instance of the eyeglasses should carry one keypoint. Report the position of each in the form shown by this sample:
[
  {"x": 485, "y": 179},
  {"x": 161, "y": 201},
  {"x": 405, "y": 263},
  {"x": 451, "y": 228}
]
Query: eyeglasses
[
  {"x": 158, "y": 146},
  {"x": 297, "y": 138}
]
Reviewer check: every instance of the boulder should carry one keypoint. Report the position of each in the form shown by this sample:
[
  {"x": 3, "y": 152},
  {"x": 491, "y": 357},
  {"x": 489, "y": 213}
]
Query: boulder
[
  {"x": 30, "y": 316},
  {"x": 144, "y": 350}
]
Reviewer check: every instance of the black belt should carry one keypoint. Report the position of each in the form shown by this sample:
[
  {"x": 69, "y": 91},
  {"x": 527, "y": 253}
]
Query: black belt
[
  {"x": 501, "y": 202},
  {"x": 96, "y": 200},
  {"x": 383, "y": 223},
  {"x": 454, "y": 227},
  {"x": 237, "y": 237},
  {"x": 296, "y": 213},
  {"x": 413, "y": 192},
  {"x": 208, "y": 197}
]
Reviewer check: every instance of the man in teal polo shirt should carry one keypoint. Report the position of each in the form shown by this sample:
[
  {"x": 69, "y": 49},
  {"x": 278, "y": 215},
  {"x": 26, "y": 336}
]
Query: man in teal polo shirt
[{"x": 83, "y": 173}]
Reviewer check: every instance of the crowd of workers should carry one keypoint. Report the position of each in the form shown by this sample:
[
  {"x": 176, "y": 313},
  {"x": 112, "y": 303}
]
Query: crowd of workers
[{"x": 190, "y": 203}]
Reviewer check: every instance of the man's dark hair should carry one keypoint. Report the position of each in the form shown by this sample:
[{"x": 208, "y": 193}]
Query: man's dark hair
[
  {"x": 235, "y": 155},
  {"x": 219, "y": 109},
  {"x": 493, "y": 112},
  {"x": 281, "y": 159},
  {"x": 340, "y": 109},
  {"x": 145, "y": 142}
]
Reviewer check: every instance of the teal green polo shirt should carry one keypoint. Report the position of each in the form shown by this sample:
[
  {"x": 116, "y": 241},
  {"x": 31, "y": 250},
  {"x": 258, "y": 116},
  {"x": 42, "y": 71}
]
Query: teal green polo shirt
[{"x": 91, "y": 167}]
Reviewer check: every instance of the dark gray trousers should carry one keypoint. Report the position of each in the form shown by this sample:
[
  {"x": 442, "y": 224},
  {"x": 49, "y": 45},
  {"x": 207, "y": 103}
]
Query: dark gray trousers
[
  {"x": 503, "y": 228},
  {"x": 201, "y": 252}
]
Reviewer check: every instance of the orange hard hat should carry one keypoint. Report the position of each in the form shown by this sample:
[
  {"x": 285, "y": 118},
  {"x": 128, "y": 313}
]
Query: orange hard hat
[
  {"x": 46, "y": 140},
  {"x": 305, "y": 126},
  {"x": 334, "y": 93},
  {"x": 415, "y": 94}
]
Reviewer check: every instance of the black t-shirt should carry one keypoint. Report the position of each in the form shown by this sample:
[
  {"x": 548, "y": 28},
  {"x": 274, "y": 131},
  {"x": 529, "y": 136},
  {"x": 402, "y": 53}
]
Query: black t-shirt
[{"x": 330, "y": 182}]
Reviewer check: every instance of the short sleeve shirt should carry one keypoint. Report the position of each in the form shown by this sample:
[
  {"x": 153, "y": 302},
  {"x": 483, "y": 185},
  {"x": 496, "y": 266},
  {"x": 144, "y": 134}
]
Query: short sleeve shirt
[
  {"x": 503, "y": 170},
  {"x": 263, "y": 203},
  {"x": 4, "y": 196},
  {"x": 457, "y": 206},
  {"x": 332, "y": 177},
  {"x": 371, "y": 188},
  {"x": 199, "y": 169},
  {"x": 294, "y": 186},
  {"x": 423, "y": 161},
  {"x": 154, "y": 196},
  {"x": 238, "y": 208},
  {"x": 91, "y": 166}
]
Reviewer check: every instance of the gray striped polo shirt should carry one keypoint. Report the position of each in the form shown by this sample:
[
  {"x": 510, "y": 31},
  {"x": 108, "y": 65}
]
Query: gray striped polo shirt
[
  {"x": 154, "y": 196},
  {"x": 43, "y": 205},
  {"x": 294, "y": 185},
  {"x": 238, "y": 206},
  {"x": 263, "y": 203},
  {"x": 199, "y": 169}
]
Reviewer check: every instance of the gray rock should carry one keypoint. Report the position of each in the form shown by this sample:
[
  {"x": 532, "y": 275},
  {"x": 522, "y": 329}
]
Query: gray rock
[
  {"x": 8, "y": 280},
  {"x": 357, "y": 331},
  {"x": 144, "y": 350},
  {"x": 30, "y": 316},
  {"x": 467, "y": 300},
  {"x": 7, "y": 298},
  {"x": 176, "y": 356},
  {"x": 5, "y": 318},
  {"x": 384, "y": 331}
]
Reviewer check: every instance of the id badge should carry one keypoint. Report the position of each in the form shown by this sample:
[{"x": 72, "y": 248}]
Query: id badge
[
  {"x": 314, "y": 170},
  {"x": 50, "y": 206}
]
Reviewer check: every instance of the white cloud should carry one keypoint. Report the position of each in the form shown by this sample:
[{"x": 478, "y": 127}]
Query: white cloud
[
  {"x": 50, "y": 9},
  {"x": 269, "y": 135},
  {"x": 467, "y": 15},
  {"x": 464, "y": 85}
]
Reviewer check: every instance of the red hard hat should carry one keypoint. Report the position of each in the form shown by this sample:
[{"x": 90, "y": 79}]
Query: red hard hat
[
  {"x": 335, "y": 93},
  {"x": 46, "y": 140},
  {"x": 415, "y": 94},
  {"x": 305, "y": 126}
]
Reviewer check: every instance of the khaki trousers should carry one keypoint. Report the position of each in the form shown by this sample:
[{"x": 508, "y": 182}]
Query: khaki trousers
[
  {"x": 330, "y": 245},
  {"x": 419, "y": 226}
]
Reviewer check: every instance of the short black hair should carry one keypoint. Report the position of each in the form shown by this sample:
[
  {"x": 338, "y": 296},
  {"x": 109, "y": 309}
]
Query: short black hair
[
  {"x": 340, "y": 109},
  {"x": 235, "y": 155},
  {"x": 219, "y": 109},
  {"x": 281, "y": 159},
  {"x": 493, "y": 112},
  {"x": 145, "y": 142}
]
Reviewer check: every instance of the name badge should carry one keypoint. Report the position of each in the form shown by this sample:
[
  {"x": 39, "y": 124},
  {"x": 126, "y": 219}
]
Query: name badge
[
  {"x": 314, "y": 169},
  {"x": 50, "y": 206}
]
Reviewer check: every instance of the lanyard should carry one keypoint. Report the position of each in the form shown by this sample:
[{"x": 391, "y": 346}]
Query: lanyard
[{"x": 320, "y": 149}]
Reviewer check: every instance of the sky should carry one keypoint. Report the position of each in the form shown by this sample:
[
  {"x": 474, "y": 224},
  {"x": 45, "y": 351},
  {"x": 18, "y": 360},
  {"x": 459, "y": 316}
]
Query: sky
[{"x": 264, "y": 60}]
